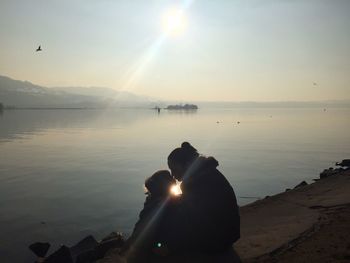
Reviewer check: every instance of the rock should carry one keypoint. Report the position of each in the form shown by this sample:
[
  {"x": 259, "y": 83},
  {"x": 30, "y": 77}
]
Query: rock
[
  {"x": 113, "y": 240},
  {"x": 328, "y": 172},
  {"x": 107, "y": 245},
  {"x": 113, "y": 235},
  {"x": 62, "y": 255},
  {"x": 303, "y": 183},
  {"x": 86, "y": 244},
  {"x": 89, "y": 256},
  {"x": 331, "y": 171},
  {"x": 345, "y": 162},
  {"x": 39, "y": 249}
]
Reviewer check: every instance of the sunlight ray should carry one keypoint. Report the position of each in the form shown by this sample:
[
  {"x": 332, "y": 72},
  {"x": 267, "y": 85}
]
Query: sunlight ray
[{"x": 137, "y": 72}]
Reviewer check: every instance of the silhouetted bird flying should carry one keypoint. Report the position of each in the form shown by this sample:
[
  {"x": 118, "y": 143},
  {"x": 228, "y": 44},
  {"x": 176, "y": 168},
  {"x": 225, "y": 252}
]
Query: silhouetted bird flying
[{"x": 39, "y": 49}]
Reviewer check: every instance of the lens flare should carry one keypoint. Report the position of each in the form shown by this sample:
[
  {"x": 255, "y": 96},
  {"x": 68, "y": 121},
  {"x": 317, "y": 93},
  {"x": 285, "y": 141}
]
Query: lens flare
[{"x": 176, "y": 189}]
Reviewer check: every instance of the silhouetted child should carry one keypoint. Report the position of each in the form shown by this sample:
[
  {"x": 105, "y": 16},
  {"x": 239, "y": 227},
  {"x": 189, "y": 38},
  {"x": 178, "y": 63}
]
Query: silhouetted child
[{"x": 142, "y": 240}]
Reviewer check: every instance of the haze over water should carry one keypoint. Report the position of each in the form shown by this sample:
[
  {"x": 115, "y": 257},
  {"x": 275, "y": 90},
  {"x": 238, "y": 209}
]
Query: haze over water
[{"x": 65, "y": 174}]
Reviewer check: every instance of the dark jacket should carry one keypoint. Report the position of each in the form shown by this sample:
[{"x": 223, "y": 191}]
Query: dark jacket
[{"x": 207, "y": 218}]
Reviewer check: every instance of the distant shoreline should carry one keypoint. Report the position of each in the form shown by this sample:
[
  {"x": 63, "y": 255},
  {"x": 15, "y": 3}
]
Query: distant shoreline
[{"x": 234, "y": 106}]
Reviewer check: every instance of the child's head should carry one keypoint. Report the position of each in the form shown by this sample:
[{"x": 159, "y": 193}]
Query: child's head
[{"x": 159, "y": 183}]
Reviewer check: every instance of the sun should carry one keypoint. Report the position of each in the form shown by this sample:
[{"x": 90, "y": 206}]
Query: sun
[{"x": 174, "y": 22}]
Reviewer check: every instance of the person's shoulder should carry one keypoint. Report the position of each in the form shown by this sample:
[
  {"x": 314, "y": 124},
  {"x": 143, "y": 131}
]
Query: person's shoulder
[{"x": 149, "y": 205}]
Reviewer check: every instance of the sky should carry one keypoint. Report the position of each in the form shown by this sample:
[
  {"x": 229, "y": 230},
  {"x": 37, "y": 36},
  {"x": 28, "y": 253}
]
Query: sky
[{"x": 228, "y": 50}]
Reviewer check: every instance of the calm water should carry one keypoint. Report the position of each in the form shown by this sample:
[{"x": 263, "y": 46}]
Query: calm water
[{"x": 65, "y": 174}]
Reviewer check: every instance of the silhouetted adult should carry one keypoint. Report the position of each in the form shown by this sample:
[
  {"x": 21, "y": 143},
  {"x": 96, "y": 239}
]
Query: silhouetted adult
[{"x": 208, "y": 217}]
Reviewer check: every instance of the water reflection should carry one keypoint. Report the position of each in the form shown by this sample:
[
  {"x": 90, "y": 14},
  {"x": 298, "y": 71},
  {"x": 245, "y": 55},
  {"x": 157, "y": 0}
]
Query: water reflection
[
  {"x": 81, "y": 171},
  {"x": 15, "y": 123},
  {"x": 182, "y": 111}
]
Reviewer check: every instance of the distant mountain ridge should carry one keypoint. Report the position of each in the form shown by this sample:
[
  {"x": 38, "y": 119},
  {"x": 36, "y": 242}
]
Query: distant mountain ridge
[
  {"x": 24, "y": 94},
  {"x": 103, "y": 92}
]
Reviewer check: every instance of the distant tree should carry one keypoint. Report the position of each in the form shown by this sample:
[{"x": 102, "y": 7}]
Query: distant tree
[{"x": 1, "y": 106}]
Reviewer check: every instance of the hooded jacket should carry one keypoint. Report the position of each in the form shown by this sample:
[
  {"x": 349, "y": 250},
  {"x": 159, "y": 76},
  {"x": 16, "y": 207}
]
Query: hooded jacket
[{"x": 207, "y": 218}]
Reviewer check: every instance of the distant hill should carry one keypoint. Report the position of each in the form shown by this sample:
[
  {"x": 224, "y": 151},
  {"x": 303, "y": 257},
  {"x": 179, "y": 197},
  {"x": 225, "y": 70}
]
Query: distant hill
[
  {"x": 24, "y": 94},
  {"x": 103, "y": 93}
]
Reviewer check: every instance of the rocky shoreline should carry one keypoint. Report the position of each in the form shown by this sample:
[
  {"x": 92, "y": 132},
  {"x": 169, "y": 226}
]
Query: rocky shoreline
[{"x": 308, "y": 223}]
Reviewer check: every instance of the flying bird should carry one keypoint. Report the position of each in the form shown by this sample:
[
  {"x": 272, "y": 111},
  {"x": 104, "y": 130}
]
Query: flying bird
[{"x": 38, "y": 49}]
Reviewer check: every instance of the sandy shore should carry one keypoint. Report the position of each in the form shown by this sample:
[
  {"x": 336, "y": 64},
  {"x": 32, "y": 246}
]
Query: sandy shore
[{"x": 307, "y": 224}]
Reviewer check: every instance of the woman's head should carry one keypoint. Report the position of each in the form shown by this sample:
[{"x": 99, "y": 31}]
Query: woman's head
[
  {"x": 181, "y": 158},
  {"x": 159, "y": 183}
]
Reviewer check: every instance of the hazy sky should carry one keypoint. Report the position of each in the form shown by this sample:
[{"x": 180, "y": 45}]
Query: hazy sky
[{"x": 230, "y": 50}]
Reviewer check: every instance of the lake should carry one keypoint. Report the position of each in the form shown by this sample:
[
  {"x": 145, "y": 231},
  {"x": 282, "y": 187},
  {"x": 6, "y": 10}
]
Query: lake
[{"x": 65, "y": 174}]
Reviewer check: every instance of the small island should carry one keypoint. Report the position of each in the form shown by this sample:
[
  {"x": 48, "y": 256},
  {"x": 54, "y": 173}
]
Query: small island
[{"x": 182, "y": 107}]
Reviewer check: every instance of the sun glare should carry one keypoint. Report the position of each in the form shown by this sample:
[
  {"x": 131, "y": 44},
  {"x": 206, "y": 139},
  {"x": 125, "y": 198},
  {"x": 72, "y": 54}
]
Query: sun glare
[
  {"x": 176, "y": 189},
  {"x": 174, "y": 22}
]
